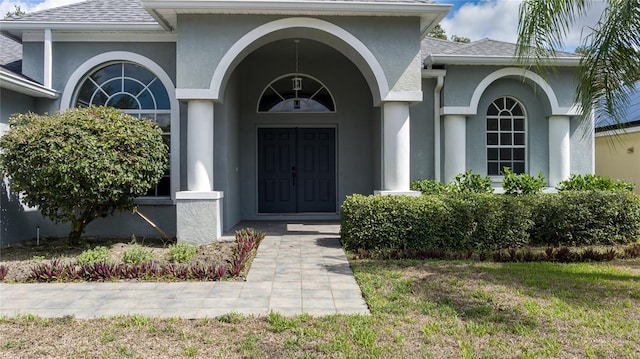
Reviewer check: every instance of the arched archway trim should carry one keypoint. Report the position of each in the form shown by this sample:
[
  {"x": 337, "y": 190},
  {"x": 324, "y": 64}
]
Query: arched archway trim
[
  {"x": 229, "y": 60},
  {"x": 472, "y": 109}
]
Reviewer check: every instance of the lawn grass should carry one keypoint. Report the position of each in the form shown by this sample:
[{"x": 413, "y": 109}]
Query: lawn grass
[{"x": 420, "y": 309}]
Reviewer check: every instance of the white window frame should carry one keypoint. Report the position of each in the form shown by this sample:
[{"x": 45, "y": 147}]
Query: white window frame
[
  {"x": 500, "y": 132},
  {"x": 270, "y": 86}
]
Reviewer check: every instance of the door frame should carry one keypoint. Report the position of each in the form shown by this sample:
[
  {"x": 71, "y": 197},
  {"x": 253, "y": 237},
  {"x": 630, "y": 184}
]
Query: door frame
[{"x": 257, "y": 158}]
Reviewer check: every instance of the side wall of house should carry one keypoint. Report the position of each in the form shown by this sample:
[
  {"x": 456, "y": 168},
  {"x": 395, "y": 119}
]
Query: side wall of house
[
  {"x": 14, "y": 217},
  {"x": 617, "y": 156}
]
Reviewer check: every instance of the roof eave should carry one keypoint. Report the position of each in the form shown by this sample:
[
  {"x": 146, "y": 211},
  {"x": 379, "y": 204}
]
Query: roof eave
[
  {"x": 430, "y": 14},
  {"x": 16, "y": 28},
  {"x": 495, "y": 60},
  {"x": 13, "y": 82}
]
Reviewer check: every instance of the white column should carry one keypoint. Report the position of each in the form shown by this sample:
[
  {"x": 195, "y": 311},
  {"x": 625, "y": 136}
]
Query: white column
[
  {"x": 200, "y": 146},
  {"x": 48, "y": 59},
  {"x": 396, "y": 147},
  {"x": 559, "y": 149},
  {"x": 455, "y": 140}
]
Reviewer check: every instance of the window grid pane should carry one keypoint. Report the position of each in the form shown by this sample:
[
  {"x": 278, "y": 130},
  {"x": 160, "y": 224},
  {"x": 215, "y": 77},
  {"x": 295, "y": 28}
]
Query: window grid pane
[{"x": 506, "y": 136}]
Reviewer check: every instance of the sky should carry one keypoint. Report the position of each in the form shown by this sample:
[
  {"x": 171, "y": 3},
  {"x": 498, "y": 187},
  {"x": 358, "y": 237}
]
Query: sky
[{"x": 475, "y": 19}]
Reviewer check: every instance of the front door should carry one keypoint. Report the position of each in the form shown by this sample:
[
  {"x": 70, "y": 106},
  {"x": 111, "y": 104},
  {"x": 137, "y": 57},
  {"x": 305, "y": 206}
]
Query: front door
[{"x": 296, "y": 170}]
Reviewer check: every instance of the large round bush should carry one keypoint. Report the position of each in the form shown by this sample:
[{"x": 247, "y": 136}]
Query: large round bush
[{"x": 81, "y": 164}]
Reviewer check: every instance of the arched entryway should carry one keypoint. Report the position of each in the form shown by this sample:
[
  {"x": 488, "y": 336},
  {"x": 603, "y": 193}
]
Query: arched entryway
[
  {"x": 297, "y": 163},
  {"x": 365, "y": 137}
]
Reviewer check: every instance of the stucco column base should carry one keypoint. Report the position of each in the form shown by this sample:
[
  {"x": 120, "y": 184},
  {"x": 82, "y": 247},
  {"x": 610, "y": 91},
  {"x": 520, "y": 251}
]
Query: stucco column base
[
  {"x": 397, "y": 193},
  {"x": 199, "y": 216}
]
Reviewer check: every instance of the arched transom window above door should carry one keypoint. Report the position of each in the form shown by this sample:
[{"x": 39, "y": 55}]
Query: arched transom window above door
[
  {"x": 506, "y": 136},
  {"x": 134, "y": 90},
  {"x": 296, "y": 93}
]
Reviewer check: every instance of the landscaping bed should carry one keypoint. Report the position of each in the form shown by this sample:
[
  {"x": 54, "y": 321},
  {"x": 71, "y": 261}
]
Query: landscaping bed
[{"x": 102, "y": 259}]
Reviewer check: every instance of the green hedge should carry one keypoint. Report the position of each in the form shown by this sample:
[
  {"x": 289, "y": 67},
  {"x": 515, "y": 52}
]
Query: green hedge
[
  {"x": 586, "y": 218},
  {"x": 473, "y": 221}
]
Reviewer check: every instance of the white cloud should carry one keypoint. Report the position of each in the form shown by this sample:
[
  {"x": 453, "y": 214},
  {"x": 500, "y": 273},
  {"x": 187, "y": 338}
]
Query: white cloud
[
  {"x": 498, "y": 20},
  {"x": 31, "y": 6}
]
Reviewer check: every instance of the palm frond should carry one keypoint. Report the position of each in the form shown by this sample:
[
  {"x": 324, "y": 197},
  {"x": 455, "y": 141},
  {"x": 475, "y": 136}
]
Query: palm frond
[
  {"x": 543, "y": 26},
  {"x": 611, "y": 65}
]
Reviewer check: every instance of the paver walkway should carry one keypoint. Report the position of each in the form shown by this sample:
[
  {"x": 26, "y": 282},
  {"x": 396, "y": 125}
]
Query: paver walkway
[{"x": 300, "y": 268}]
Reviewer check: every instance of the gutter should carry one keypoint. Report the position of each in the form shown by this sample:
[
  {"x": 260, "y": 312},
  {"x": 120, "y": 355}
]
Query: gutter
[
  {"x": 439, "y": 76},
  {"x": 13, "y": 82},
  {"x": 495, "y": 60},
  {"x": 430, "y": 14},
  {"x": 13, "y": 28}
]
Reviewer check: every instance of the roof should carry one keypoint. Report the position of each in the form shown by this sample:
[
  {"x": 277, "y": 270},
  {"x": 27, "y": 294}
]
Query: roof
[
  {"x": 485, "y": 51},
  {"x": 112, "y": 10},
  {"x": 11, "y": 54},
  {"x": 429, "y": 12},
  {"x": 632, "y": 114},
  {"x": 11, "y": 76},
  {"x": 161, "y": 15},
  {"x": 92, "y": 11}
]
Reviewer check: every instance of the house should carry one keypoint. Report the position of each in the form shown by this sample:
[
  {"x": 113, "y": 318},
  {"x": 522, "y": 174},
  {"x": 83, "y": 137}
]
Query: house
[
  {"x": 278, "y": 109},
  {"x": 618, "y": 145}
]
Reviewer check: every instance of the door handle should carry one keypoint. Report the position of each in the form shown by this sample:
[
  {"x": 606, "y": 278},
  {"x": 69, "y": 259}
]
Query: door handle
[{"x": 294, "y": 174}]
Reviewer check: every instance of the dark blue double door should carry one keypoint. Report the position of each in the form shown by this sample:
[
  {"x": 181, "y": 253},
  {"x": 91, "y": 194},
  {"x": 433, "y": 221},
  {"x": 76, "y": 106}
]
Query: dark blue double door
[{"x": 296, "y": 170}]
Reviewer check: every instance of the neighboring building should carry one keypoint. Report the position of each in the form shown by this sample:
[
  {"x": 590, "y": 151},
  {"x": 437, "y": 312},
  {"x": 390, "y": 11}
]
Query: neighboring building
[
  {"x": 618, "y": 145},
  {"x": 279, "y": 109}
]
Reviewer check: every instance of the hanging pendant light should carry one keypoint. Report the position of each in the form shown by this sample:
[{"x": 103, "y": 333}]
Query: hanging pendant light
[{"x": 297, "y": 81}]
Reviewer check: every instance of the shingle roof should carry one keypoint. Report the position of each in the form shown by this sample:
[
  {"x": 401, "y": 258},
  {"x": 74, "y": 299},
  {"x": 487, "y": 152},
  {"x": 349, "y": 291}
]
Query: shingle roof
[
  {"x": 93, "y": 11},
  {"x": 432, "y": 46},
  {"x": 632, "y": 112},
  {"x": 129, "y": 11},
  {"x": 484, "y": 47},
  {"x": 10, "y": 54}
]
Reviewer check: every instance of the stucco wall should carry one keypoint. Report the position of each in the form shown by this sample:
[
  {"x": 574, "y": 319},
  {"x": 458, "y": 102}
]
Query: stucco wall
[
  {"x": 582, "y": 148},
  {"x": 397, "y": 48},
  {"x": 461, "y": 82},
  {"x": 422, "y": 139},
  {"x": 226, "y": 153},
  {"x": 64, "y": 65},
  {"x": 12, "y": 212},
  {"x": 618, "y": 157}
]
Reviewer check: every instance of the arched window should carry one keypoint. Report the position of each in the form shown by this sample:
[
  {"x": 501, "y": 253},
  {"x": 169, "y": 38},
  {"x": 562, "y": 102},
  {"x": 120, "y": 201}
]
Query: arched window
[
  {"x": 136, "y": 91},
  {"x": 296, "y": 93},
  {"x": 506, "y": 136}
]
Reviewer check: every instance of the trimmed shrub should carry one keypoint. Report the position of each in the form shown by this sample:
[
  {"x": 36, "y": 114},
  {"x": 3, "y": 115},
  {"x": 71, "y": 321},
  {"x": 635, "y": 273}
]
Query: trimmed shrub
[
  {"x": 522, "y": 184},
  {"x": 428, "y": 186},
  {"x": 472, "y": 221},
  {"x": 586, "y": 217},
  {"x": 470, "y": 182},
  {"x": 593, "y": 183},
  {"x": 455, "y": 222},
  {"x": 83, "y": 163}
]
